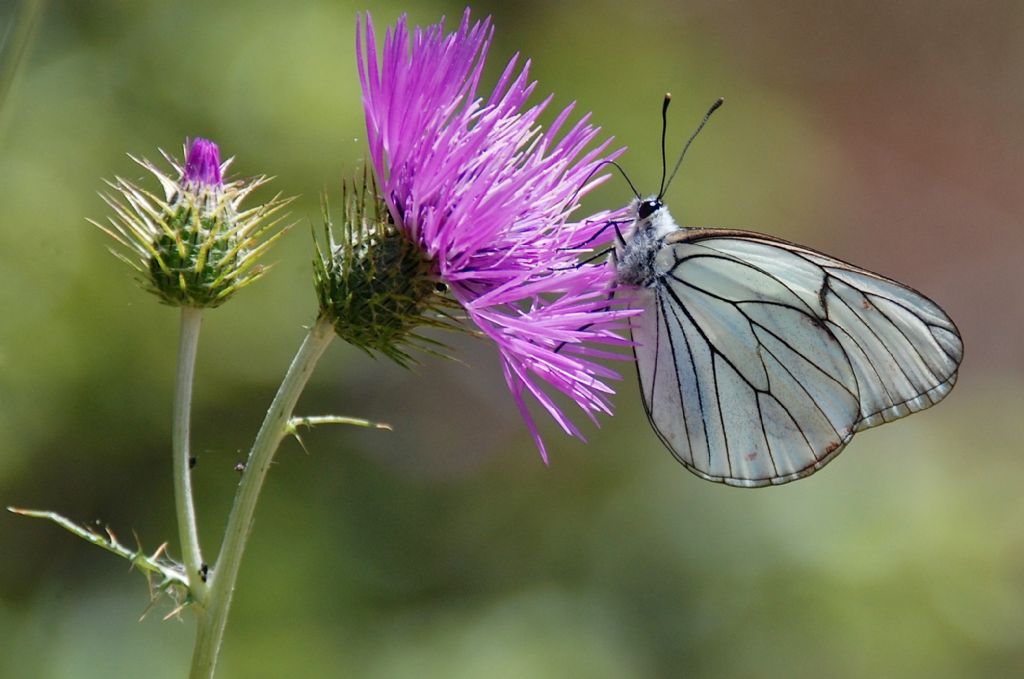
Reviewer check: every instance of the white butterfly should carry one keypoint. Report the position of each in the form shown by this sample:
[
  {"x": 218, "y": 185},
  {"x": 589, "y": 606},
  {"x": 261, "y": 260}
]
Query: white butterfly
[{"x": 759, "y": 359}]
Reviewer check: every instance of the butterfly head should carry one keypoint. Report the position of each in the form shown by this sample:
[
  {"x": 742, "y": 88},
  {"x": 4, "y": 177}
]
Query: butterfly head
[
  {"x": 651, "y": 218},
  {"x": 648, "y": 207}
]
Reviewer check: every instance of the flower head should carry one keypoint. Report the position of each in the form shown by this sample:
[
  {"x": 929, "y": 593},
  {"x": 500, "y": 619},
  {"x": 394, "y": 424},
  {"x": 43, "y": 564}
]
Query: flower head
[
  {"x": 193, "y": 246},
  {"x": 202, "y": 164},
  {"x": 486, "y": 194},
  {"x": 374, "y": 283}
]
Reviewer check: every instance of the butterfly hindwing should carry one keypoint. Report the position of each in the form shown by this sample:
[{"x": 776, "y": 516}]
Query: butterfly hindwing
[{"x": 776, "y": 354}]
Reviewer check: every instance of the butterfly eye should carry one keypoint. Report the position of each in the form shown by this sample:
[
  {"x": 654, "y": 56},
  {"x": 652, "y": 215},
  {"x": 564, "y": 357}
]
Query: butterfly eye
[{"x": 648, "y": 208}]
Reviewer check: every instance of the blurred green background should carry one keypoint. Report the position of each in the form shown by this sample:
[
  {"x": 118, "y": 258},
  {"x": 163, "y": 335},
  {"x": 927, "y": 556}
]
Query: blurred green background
[{"x": 888, "y": 134}]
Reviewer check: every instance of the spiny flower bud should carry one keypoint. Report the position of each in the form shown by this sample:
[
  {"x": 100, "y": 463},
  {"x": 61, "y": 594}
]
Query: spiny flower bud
[
  {"x": 194, "y": 246},
  {"x": 375, "y": 284}
]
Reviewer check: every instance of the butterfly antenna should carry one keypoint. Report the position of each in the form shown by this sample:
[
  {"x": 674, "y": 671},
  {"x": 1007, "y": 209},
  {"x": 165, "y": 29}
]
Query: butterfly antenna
[
  {"x": 664, "y": 128},
  {"x": 626, "y": 177},
  {"x": 707, "y": 116}
]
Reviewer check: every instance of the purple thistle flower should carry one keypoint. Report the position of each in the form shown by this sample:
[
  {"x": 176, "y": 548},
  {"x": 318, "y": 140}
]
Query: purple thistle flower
[
  {"x": 487, "y": 194},
  {"x": 202, "y": 164}
]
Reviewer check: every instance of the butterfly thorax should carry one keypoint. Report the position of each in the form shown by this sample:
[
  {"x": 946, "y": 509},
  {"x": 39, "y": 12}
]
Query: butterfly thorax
[{"x": 636, "y": 259}]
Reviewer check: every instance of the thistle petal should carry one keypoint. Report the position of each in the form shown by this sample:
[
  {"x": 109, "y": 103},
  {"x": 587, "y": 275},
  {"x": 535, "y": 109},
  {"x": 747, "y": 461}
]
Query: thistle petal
[{"x": 202, "y": 164}]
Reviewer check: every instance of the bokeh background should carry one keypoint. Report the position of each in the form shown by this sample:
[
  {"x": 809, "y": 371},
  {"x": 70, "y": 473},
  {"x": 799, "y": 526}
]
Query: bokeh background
[{"x": 888, "y": 134}]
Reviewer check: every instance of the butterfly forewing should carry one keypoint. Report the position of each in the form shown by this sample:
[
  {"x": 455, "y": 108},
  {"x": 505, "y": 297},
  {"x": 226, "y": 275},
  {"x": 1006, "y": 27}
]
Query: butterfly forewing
[{"x": 777, "y": 354}]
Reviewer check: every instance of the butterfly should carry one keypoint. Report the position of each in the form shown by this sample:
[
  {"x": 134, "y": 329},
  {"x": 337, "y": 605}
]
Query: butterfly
[{"x": 759, "y": 359}]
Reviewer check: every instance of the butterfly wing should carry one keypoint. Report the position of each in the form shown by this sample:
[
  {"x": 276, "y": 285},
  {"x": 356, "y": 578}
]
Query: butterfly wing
[{"x": 759, "y": 359}]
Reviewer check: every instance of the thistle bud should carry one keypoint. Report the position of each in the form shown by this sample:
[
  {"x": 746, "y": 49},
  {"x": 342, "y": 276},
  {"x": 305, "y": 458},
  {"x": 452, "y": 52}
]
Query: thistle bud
[
  {"x": 375, "y": 284},
  {"x": 202, "y": 165},
  {"x": 194, "y": 246}
]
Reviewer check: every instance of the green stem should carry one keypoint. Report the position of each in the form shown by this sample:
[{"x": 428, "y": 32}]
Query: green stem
[
  {"x": 191, "y": 320},
  {"x": 15, "y": 41},
  {"x": 213, "y": 617}
]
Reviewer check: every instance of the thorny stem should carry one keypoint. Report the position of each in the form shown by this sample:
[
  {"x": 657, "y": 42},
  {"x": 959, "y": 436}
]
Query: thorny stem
[
  {"x": 213, "y": 617},
  {"x": 171, "y": 576},
  {"x": 191, "y": 320}
]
